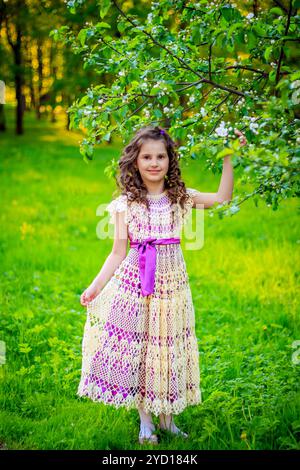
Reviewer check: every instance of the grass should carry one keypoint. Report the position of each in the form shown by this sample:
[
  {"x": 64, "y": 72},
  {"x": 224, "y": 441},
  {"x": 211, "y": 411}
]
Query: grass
[{"x": 244, "y": 286}]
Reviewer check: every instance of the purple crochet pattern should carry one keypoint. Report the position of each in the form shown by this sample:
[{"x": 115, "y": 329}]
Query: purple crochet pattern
[{"x": 139, "y": 345}]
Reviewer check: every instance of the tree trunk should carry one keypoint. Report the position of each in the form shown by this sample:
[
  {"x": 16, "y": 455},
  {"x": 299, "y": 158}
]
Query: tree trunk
[
  {"x": 18, "y": 82},
  {"x": 53, "y": 71},
  {"x": 17, "y": 51},
  {"x": 30, "y": 84},
  {"x": 2, "y": 119},
  {"x": 40, "y": 82},
  {"x": 68, "y": 119}
]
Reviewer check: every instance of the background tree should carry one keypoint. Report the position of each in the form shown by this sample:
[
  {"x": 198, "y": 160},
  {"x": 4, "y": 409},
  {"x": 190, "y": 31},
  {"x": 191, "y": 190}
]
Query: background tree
[
  {"x": 13, "y": 16},
  {"x": 48, "y": 76}
]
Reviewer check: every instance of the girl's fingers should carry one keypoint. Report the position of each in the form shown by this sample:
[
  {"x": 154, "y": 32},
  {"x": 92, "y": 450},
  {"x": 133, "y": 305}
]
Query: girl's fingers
[
  {"x": 242, "y": 137},
  {"x": 239, "y": 133},
  {"x": 83, "y": 299}
]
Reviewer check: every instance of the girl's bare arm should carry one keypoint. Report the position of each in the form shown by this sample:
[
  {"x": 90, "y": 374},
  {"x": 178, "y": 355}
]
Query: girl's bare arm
[
  {"x": 117, "y": 255},
  {"x": 224, "y": 193}
]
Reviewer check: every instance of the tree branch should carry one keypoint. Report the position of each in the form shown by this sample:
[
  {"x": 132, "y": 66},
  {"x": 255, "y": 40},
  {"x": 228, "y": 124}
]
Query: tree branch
[
  {"x": 216, "y": 85},
  {"x": 285, "y": 34}
]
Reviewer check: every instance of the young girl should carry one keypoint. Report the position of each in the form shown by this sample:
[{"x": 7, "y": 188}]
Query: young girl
[{"x": 139, "y": 347}]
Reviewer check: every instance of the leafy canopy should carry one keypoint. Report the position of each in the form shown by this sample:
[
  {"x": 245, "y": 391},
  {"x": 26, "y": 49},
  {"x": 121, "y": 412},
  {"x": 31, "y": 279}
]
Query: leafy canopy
[{"x": 200, "y": 69}]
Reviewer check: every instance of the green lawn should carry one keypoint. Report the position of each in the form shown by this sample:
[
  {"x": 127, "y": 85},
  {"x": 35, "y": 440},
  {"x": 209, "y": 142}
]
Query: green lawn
[{"x": 244, "y": 286}]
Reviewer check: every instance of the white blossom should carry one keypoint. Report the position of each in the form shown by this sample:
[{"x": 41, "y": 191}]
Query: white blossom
[
  {"x": 253, "y": 127},
  {"x": 295, "y": 84},
  {"x": 221, "y": 131}
]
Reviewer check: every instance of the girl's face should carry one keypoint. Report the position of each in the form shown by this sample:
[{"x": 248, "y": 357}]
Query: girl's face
[{"x": 153, "y": 161}]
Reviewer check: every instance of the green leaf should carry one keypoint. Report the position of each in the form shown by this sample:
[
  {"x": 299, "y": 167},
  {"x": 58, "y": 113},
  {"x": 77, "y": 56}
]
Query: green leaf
[
  {"x": 227, "y": 12},
  {"x": 107, "y": 136},
  {"x": 157, "y": 113},
  {"x": 295, "y": 75},
  {"x": 105, "y": 6},
  {"x": 121, "y": 26},
  {"x": 163, "y": 100},
  {"x": 277, "y": 11},
  {"x": 224, "y": 152},
  {"x": 86, "y": 149},
  {"x": 267, "y": 53},
  {"x": 102, "y": 24},
  {"x": 258, "y": 28},
  {"x": 272, "y": 76},
  {"x": 83, "y": 100},
  {"x": 252, "y": 40},
  {"x": 82, "y": 36},
  {"x": 154, "y": 91},
  {"x": 24, "y": 348}
]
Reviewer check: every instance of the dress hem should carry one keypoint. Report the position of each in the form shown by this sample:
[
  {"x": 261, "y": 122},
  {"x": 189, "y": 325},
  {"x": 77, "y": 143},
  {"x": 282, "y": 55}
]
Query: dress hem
[{"x": 155, "y": 406}]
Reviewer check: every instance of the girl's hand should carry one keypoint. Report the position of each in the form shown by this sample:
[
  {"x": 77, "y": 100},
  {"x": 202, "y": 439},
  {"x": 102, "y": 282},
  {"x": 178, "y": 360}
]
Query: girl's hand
[
  {"x": 243, "y": 140},
  {"x": 89, "y": 294}
]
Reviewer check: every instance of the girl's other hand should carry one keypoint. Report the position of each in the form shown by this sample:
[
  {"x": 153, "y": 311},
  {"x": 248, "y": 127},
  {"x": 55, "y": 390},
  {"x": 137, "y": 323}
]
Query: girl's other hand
[
  {"x": 89, "y": 294},
  {"x": 243, "y": 140}
]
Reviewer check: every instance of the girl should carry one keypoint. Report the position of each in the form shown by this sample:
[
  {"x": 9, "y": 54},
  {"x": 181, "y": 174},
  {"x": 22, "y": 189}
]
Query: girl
[{"x": 139, "y": 347}]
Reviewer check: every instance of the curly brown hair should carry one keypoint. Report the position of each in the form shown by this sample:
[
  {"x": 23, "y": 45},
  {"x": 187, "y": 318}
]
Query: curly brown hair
[{"x": 129, "y": 180}]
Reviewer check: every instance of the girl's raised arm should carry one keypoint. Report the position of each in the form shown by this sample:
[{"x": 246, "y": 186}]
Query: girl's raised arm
[{"x": 224, "y": 193}]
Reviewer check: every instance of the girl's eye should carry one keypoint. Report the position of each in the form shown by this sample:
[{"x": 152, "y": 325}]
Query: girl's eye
[{"x": 160, "y": 156}]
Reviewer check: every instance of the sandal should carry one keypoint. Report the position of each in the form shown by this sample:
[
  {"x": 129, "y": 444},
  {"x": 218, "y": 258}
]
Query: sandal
[
  {"x": 173, "y": 429},
  {"x": 147, "y": 435}
]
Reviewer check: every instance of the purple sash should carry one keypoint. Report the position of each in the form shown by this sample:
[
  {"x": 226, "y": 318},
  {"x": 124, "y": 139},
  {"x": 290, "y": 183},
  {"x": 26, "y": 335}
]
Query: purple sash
[{"x": 147, "y": 260}]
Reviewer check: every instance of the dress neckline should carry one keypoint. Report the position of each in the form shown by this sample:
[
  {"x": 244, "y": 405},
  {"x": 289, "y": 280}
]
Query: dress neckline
[{"x": 157, "y": 196}]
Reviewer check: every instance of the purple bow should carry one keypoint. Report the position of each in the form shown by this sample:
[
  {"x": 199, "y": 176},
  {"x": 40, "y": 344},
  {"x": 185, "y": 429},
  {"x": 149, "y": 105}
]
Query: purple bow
[{"x": 147, "y": 260}]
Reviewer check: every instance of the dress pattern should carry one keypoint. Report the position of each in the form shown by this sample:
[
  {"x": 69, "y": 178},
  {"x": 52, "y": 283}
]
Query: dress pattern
[{"x": 142, "y": 350}]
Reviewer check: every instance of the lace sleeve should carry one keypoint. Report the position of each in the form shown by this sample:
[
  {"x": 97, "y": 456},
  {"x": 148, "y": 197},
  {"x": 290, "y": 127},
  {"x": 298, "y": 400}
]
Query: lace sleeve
[
  {"x": 192, "y": 192},
  {"x": 189, "y": 203},
  {"x": 118, "y": 205}
]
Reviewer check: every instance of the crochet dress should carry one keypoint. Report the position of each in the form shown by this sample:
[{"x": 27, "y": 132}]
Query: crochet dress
[{"x": 142, "y": 350}]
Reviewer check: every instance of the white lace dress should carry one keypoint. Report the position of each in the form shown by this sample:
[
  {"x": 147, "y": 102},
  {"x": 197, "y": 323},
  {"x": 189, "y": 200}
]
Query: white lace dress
[{"x": 142, "y": 350}]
